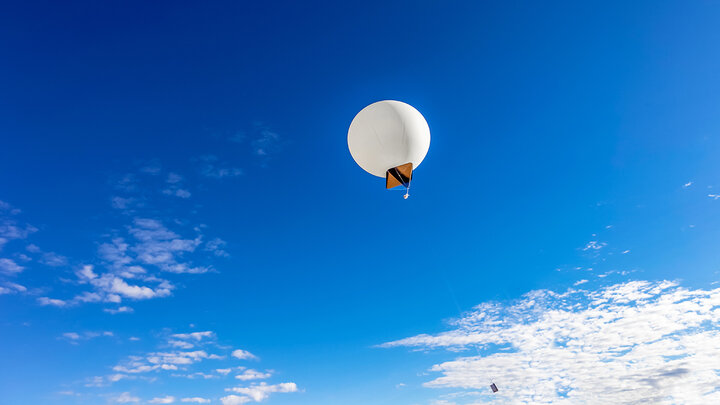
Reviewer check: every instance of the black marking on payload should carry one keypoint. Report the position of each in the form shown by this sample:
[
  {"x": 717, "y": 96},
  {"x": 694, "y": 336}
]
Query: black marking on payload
[
  {"x": 399, "y": 175},
  {"x": 494, "y": 388}
]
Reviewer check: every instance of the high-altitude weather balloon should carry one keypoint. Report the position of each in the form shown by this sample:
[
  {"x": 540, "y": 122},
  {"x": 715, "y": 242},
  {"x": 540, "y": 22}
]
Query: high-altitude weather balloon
[{"x": 389, "y": 139}]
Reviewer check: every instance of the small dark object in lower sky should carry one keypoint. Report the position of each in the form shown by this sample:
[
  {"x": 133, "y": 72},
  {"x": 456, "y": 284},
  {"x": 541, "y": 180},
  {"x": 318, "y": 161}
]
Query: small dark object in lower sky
[{"x": 493, "y": 387}]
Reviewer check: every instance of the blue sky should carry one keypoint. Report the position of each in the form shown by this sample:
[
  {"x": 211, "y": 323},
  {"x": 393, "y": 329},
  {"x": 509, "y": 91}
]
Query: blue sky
[{"x": 181, "y": 221}]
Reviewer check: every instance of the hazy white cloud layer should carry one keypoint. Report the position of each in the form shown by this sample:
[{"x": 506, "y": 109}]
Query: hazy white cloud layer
[{"x": 637, "y": 342}]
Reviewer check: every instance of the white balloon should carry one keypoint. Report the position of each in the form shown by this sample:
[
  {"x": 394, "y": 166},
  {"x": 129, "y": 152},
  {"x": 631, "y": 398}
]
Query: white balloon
[{"x": 387, "y": 134}]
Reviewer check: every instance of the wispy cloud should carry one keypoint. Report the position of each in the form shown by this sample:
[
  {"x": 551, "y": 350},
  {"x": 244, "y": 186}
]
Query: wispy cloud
[
  {"x": 75, "y": 337},
  {"x": 216, "y": 246},
  {"x": 212, "y": 167},
  {"x": 174, "y": 186},
  {"x": 10, "y": 229},
  {"x": 630, "y": 343},
  {"x": 8, "y": 266},
  {"x": 46, "y": 301},
  {"x": 12, "y": 288}
]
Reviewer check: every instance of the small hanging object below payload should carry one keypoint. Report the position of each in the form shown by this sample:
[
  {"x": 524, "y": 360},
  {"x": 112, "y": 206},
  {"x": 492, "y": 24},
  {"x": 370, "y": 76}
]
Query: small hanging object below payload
[
  {"x": 494, "y": 388},
  {"x": 389, "y": 139}
]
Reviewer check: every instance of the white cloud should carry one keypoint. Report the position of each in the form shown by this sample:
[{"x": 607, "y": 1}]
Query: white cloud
[
  {"x": 123, "y": 203},
  {"x": 163, "y": 400},
  {"x": 216, "y": 247},
  {"x": 53, "y": 259},
  {"x": 161, "y": 247},
  {"x": 163, "y": 361},
  {"x": 579, "y": 282},
  {"x": 251, "y": 374},
  {"x": 125, "y": 398},
  {"x": 197, "y": 336},
  {"x": 244, "y": 355},
  {"x": 180, "y": 344},
  {"x": 688, "y": 184},
  {"x": 631, "y": 343},
  {"x": 137, "y": 292},
  {"x": 234, "y": 400},
  {"x": 594, "y": 245},
  {"x": 260, "y": 392},
  {"x": 86, "y": 273},
  {"x": 71, "y": 335},
  {"x": 224, "y": 371},
  {"x": 174, "y": 188},
  {"x": 8, "y": 266},
  {"x": 714, "y": 196},
  {"x": 177, "y": 192},
  {"x": 196, "y": 400},
  {"x": 119, "y": 310},
  {"x": 11, "y": 288},
  {"x": 51, "y": 301},
  {"x": 9, "y": 228},
  {"x": 74, "y": 337}
]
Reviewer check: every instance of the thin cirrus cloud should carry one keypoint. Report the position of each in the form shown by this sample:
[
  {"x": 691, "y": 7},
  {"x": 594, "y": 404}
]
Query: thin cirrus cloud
[{"x": 629, "y": 343}]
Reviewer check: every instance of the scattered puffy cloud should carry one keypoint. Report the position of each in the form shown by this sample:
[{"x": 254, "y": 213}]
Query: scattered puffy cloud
[
  {"x": 125, "y": 398},
  {"x": 244, "y": 355},
  {"x": 260, "y": 392},
  {"x": 197, "y": 336},
  {"x": 196, "y": 400},
  {"x": 157, "y": 245},
  {"x": 163, "y": 400},
  {"x": 579, "y": 282},
  {"x": 629, "y": 343},
  {"x": 234, "y": 400},
  {"x": 119, "y": 310},
  {"x": 158, "y": 365},
  {"x": 688, "y": 184},
  {"x": 714, "y": 196},
  {"x": 251, "y": 374},
  {"x": 137, "y": 292},
  {"x": 53, "y": 259}
]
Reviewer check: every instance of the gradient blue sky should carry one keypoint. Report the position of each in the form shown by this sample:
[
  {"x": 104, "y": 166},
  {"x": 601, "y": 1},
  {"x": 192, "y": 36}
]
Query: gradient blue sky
[{"x": 185, "y": 163}]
